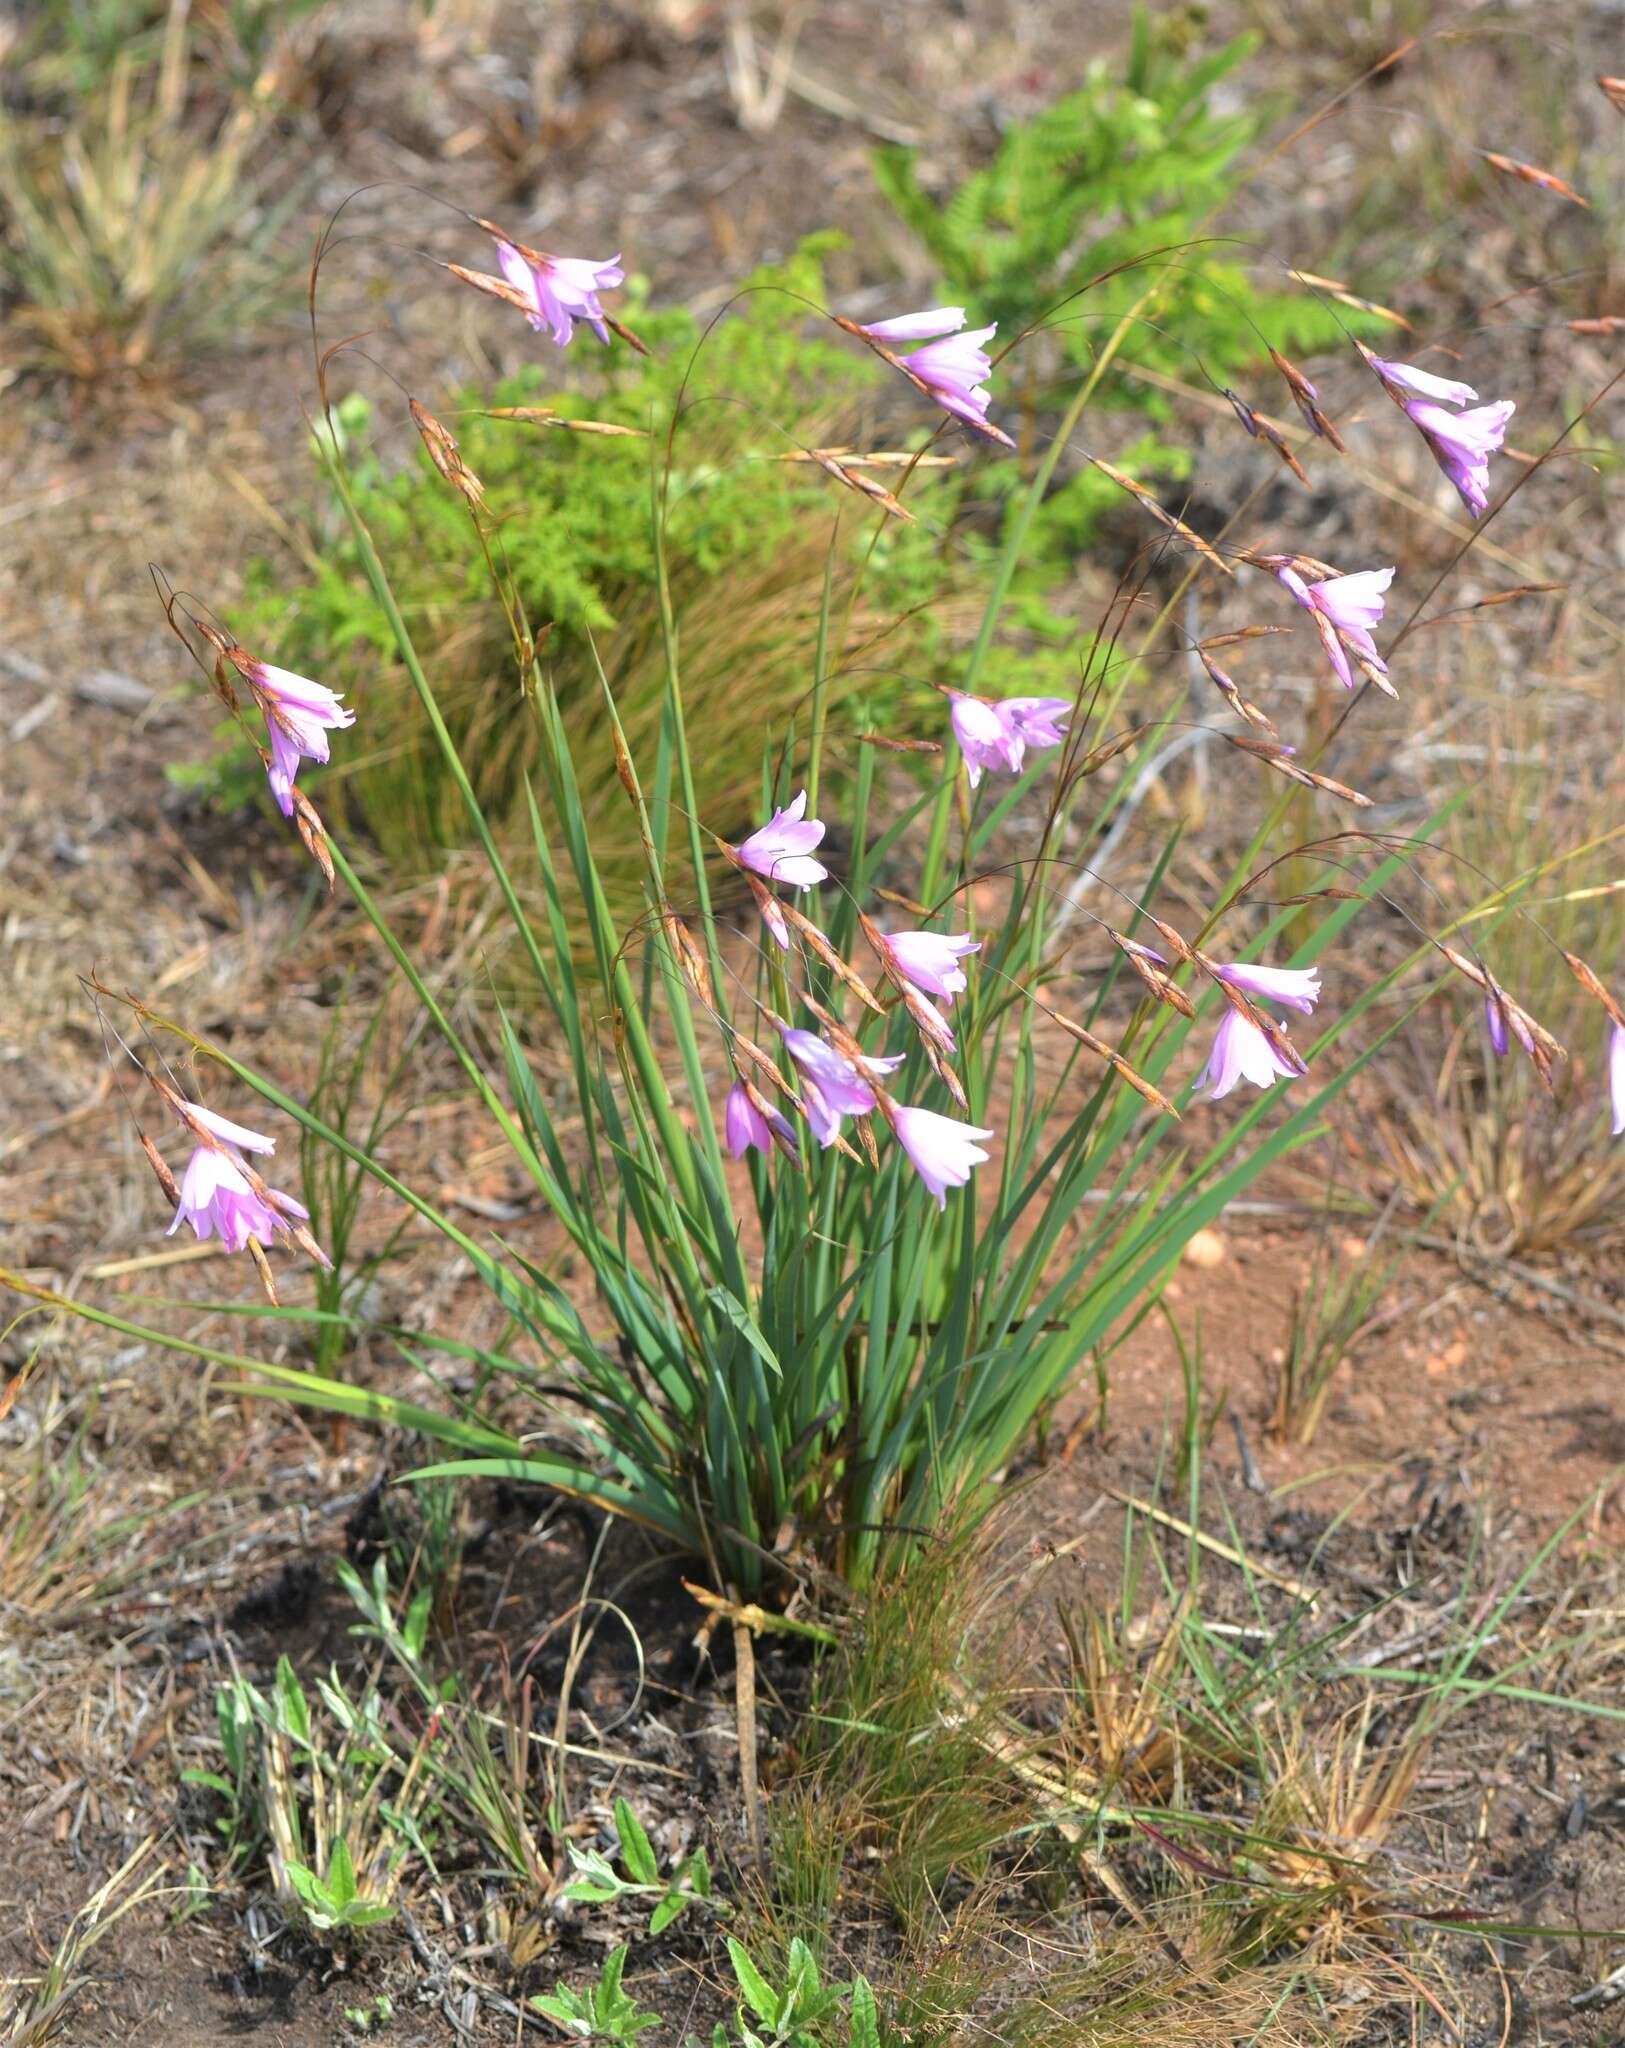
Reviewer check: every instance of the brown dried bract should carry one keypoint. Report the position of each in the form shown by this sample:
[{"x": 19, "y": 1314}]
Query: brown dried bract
[
  {"x": 444, "y": 454},
  {"x": 1159, "y": 512},
  {"x": 312, "y": 832},
  {"x": 262, "y": 1265},
  {"x": 625, "y": 769},
  {"x": 865, "y": 486},
  {"x": 155, "y": 1159},
  {"x": 1594, "y": 987},
  {"x": 1532, "y": 174},
  {"x": 1532, "y": 1035},
  {"x": 1097, "y": 757},
  {"x": 903, "y": 902},
  {"x": 549, "y": 416},
  {"x": 1151, "y": 971},
  {"x": 696, "y": 969},
  {"x": 818, "y": 943},
  {"x": 1470, "y": 968},
  {"x": 1334, "y": 290},
  {"x": 494, "y": 287},
  {"x": 1280, "y": 759},
  {"x": 1232, "y": 696},
  {"x": 938, "y": 1057},
  {"x": 1115, "y": 1060},
  {"x": 1278, "y": 441},
  {"x": 1174, "y": 939},
  {"x": 877, "y": 458},
  {"x": 1307, "y": 400},
  {"x": 1242, "y": 633},
  {"x": 624, "y": 333},
  {"x": 891, "y": 746},
  {"x": 1262, "y": 429}
]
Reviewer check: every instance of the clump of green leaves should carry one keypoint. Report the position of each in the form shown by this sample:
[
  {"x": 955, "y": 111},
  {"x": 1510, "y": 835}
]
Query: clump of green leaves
[
  {"x": 373, "y": 2017},
  {"x": 597, "y": 1882},
  {"x": 334, "y": 1904},
  {"x": 603, "y": 2012},
  {"x": 800, "y": 2010},
  {"x": 328, "y": 1792},
  {"x": 1122, "y": 176}
]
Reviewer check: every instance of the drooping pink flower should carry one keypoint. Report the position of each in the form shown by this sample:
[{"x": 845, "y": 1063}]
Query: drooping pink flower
[
  {"x": 1035, "y": 720},
  {"x": 1344, "y": 608},
  {"x": 996, "y": 732},
  {"x": 299, "y": 714},
  {"x": 218, "y": 1201},
  {"x": 941, "y": 1150},
  {"x": 561, "y": 289},
  {"x": 1403, "y": 381},
  {"x": 1495, "y": 1023},
  {"x": 227, "y": 1132},
  {"x": 1616, "y": 1074},
  {"x": 747, "y": 1128},
  {"x": 929, "y": 961},
  {"x": 1241, "y": 1051},
  {"x": 984, "y": 738},
  {"x": 949, "y": 368},
  {"x": 831, "y": 1086},
  {"x": 1461, "y": 443},
  {"x": 781, "y": 850},
  {"x": 1297, "y": 987}
]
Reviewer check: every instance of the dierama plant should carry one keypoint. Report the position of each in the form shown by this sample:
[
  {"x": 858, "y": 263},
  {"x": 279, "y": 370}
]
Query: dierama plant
[{"x": 859, "y": 1187}]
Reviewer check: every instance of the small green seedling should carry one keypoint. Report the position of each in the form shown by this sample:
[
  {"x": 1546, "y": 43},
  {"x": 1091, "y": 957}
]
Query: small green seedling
[
  {"x": 371, "y": 2019},
  {"x": 597, "y": 1882},
  {"x": 334, "y": 1904},
  {"x": 793, "y": 2017},
  {"x": 602, "y": 2013}
]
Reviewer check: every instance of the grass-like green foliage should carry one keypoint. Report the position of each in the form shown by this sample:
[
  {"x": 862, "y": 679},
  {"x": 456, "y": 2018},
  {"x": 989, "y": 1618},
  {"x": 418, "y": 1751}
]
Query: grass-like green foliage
[
  {"x": 326, "y": 1792},
  {"x": 1336, "y": 1307},
  {"x": 142, "y": 226},
  {"x": 68, "y": 49},
  {"x": 824, "y": 1380},
  {"x": 1516, "y": 1168},
  {"x": 892, "y": 1792}
]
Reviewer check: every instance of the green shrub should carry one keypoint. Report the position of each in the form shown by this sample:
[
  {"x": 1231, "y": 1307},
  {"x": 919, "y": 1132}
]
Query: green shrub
[
  {"x": 747, "y": 543},
  {"x": 1130, "y": 173}
]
